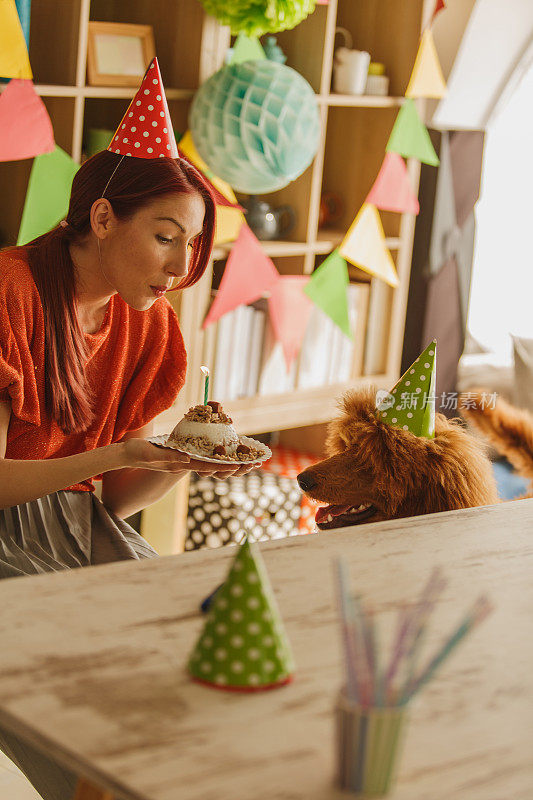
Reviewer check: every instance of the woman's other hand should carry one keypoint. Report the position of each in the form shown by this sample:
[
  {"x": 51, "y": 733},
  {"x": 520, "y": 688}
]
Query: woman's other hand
[{"x": 141, "y": 454}]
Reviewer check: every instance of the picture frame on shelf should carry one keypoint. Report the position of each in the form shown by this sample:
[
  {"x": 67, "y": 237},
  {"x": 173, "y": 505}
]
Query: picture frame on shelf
[{"x": 118, "y": 54}]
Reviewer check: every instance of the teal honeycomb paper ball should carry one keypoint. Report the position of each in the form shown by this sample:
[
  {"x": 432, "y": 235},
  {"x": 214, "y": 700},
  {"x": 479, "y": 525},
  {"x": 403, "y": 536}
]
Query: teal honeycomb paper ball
[
  {"x": 256, "y": 17},
  {"x": 256, "y": 125}
]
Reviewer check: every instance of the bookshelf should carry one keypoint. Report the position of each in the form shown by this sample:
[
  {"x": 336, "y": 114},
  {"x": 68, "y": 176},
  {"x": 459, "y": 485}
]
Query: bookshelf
[{"x": 354, "y": 130}]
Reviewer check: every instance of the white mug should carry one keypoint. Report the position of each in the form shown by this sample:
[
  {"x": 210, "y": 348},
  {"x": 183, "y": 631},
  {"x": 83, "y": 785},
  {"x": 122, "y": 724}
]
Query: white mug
[{"x": 350, "y": 67}]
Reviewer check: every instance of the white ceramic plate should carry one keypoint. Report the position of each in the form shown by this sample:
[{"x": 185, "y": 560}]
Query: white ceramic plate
[{"x": 161, "y": 441}]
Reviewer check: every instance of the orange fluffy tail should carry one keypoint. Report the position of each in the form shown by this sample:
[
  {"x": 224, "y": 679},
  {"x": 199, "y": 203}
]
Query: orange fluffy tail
[{"x": 508, "y": 429}]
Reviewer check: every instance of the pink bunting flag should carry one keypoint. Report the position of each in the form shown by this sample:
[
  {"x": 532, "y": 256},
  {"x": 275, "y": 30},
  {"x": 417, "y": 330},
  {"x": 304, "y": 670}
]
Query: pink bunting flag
[
  {"x": 289, "y": 311},
  {"x": 25, "y": 127},
  {"x": 248, "y": 275},
  {"x": 392, "y": 189},
  {"x": 440, "y": 5}
]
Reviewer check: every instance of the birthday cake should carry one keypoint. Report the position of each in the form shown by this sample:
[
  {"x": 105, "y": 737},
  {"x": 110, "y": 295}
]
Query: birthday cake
[{"x": 208, "y": 431}]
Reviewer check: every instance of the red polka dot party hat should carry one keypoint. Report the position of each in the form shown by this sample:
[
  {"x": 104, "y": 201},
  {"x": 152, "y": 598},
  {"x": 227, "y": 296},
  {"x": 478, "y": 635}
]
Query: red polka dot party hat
[
  {"x": 243, "y": 646},
  {"x": 145, "y": 130}
]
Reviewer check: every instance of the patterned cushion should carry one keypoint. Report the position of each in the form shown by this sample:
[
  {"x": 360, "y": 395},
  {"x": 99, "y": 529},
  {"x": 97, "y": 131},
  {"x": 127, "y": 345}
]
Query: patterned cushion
[{"x": 265, "y": 504}]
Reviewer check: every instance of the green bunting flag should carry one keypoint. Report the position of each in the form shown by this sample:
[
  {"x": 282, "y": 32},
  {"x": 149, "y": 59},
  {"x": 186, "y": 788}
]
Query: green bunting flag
[
  {"x": 410, "y": 405},
  {"x": 246, "y": 49},
  {"x": 243, "y": 645},
  {"x": 410, "y": 137},
  {"x": 48, "y": 194},
  {"x": 327, "y": 289}
]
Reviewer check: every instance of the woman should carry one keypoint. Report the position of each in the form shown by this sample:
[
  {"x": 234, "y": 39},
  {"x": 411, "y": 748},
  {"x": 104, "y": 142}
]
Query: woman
[{"x": 90, "y": 353}]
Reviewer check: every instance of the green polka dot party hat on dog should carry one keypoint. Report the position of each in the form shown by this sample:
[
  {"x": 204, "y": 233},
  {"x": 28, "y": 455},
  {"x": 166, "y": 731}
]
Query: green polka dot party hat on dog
[
  {"x": 410, "y": 405},
  {"x": 243, "y": 646}
]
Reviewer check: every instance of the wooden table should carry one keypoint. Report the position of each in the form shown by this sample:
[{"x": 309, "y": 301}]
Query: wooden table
[{"x": 92, "y": 667}]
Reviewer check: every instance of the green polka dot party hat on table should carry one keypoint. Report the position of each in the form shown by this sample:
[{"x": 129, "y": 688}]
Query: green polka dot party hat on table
[
  {"x": 243, "y": 646},
  {"x": 410, "y": 405}
]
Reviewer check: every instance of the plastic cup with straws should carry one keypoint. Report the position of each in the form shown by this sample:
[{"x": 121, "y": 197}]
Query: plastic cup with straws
[{"x": 372, "y": 708}]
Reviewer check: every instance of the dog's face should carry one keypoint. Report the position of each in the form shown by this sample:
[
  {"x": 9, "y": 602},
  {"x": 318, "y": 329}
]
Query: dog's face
[{"x": 376, "y": 472}]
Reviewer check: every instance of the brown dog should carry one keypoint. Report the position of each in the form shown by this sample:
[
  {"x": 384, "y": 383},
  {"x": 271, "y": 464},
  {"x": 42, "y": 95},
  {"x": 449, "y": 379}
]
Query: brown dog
[
  {"x": 508, "y": 429},
  {"x": 376, "y": 471}
]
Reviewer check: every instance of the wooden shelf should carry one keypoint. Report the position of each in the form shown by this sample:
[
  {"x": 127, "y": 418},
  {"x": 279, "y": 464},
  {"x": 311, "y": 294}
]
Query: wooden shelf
[
  {"x": 273, "y": 248},
  {"x": 101, "y": 92},
  {"x": 360, "y": 100},
  {"x": 328, "y": 238},
  {"x": 326, "y": 241}
]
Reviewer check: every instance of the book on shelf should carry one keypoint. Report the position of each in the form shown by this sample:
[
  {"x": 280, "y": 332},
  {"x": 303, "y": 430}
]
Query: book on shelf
[
  {"x": 375, "y": 353},
  {"x": 328, "y": 356},
  {"x": 224, "y": 332},
  {"x": 239, "y": 352},
  {"x": 274, "y": 378},
  {"x": 247, "y": 360},
  {"x": 256, "y": 349},
  {"x": 316, "y": 353},
  {"x": 347, "y": 362}
]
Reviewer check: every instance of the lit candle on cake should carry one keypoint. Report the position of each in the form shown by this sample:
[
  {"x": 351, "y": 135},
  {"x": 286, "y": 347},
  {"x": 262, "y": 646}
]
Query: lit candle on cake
[{"x": 205, "y": 370}]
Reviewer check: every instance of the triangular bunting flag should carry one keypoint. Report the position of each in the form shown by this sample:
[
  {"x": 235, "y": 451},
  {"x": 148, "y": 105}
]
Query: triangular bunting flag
[
  {"x": 410, "y": 405},
  {"x": 145, "y": 130},
  {"x": 409, "y": 136},
  {"x": 246, "y": 48},
  {"x": 229, "y": 214},
  {"x": 224, "y": 194},
  {"x": 440, "y": 5},
  {"x": 426, "y": 78},
  {"x": 14, "y": 60},
  {"x": 243, "y": 646},
  {"x": 289, "y": 311},
  {"x": 48, "y": 194},
  {"x": 229, "y": 222},
  {"x": 24, "y": 14},
  {"x": 327, "y": 289},
  {"x": 25, "y": 127},
  {"x": 364, "y": 246},
  {"x": 392, "y": 189},
  {"x": 248, "y": 275}
]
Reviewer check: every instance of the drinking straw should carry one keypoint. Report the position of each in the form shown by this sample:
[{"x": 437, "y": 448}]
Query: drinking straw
[
  {"x": 369, "y": 632},
  {"x": 480, "y": 610},
  {"x": 383, "y": 693},
  {"x": 362, "y": 670},
  {"x": 427, "y": 605},
  {"x": 347, "y": 632},
  {"x": 408, "y": 629}
]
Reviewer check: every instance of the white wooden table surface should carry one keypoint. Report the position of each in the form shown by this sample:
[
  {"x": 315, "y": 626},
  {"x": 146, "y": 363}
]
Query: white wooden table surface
[{"x": 92, "y": 667}]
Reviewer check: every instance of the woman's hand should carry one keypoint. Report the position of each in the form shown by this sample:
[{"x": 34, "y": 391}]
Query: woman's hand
[
  {"x": 220, "y": 471},
  {"x": 140, "y": 454}
]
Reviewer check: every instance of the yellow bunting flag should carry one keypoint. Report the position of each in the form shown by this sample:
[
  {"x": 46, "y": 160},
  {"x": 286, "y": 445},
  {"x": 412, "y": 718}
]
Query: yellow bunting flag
[
  {"x": 228, "y": 224},
  {"x": 14, "y": 60},
  {"x": 364, "y": 246},
  {"x": 188, "y": 148},
  {"x": 229, "y": 220},
  {"x": 426, "y": 78}
]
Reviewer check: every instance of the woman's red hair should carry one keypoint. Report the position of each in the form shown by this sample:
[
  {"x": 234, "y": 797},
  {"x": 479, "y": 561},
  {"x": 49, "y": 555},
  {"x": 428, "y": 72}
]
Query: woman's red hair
[{"x": 136, "y": 182}]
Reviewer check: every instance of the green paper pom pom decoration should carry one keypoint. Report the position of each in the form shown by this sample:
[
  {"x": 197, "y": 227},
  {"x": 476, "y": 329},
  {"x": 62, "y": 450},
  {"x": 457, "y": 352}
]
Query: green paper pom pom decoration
[
  {"x": 256, "y": 17},
  {"x": 256, "y": 125}
]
